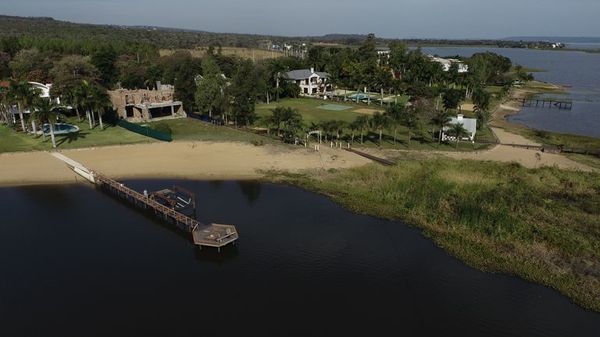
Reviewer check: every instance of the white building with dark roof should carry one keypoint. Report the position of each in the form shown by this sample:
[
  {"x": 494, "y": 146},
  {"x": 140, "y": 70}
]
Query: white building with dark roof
[
  {"x": 469, "y": 124},
  {"x": 311, "y": 82}
]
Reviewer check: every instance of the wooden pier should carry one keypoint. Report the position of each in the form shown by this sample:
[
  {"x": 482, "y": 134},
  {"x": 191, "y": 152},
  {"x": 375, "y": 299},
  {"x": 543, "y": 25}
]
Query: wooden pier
[
  {"x": 548, "y": 103},
  {"x": 213, "y": 235}
]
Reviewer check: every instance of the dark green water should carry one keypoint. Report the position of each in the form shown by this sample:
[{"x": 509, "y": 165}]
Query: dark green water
[{"x": 76, "y": 262}]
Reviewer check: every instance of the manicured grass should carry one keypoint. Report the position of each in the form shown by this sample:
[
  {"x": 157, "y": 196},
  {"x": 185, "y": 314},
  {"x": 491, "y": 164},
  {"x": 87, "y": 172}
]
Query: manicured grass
[
  {"x": 187, "y": 129},
  {"x": 422, "y": 138},
  {"x": 12, "y": 141},
  {"x": 540, "y": 224},
  {"x": 308, "y": 107}
]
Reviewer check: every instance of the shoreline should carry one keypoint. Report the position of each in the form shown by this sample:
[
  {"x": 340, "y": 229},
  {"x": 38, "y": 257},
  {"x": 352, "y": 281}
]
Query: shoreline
[
  {"x": 520, "y": 243},
  {"x": 176, "y": 160}
]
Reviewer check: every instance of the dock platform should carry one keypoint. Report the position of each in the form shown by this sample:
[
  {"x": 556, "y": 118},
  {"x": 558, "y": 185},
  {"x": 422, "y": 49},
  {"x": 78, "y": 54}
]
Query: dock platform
[
  {"x": 203, "y": 235},
  {"x": 547, "y": 103}
]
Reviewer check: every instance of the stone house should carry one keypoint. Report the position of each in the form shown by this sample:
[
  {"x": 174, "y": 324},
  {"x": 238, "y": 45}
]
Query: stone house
[{"x": 146, "y": 105}]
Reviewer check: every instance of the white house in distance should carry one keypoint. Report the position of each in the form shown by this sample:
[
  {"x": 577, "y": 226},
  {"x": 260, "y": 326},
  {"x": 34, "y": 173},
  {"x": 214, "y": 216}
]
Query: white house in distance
[
  {"x": 469, "y": 124},
  {"x": 447, "y": 63},
  {"x": 311, "y": 82}
]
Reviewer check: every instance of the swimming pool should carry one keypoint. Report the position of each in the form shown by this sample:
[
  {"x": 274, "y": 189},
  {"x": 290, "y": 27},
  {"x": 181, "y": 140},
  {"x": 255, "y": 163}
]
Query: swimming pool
[{"x": 60, "y": 129}]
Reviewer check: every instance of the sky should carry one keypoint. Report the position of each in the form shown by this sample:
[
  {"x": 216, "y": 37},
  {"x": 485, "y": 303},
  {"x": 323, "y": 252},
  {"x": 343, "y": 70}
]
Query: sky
[{"x": 386, "y": 18}]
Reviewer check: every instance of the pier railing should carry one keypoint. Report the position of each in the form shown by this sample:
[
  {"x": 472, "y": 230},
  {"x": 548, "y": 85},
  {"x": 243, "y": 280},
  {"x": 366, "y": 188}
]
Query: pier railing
[{"x": 213, "y": 235}]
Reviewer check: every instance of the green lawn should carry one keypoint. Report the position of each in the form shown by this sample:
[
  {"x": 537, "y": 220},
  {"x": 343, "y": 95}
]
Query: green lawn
[
  {"x": 12, "y": 141},
  {"x": 309, "y": 108},
  {"x": 422, "y": 138},
  {"x": 187, "y": 129}
]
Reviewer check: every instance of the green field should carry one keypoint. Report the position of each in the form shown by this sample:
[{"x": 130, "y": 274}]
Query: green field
[
  {"x": 13, "y": 141},
  {"x": 540, "y": 224},
  {"x": 311, "y": 113},
  {"x": 187, "y": 129},
  {"x": 315, "y": 111}
]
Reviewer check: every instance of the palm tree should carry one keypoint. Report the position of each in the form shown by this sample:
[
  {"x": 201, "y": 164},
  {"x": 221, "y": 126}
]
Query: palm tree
[
  {"x": 409, "y": 120},
  {"x": 362, "y": 122},
  {"x": 292, "y": 123},
  {"x": 82, "y": 98},
  {"x": 441, "y": 120},
  {"x": 100, "y": 101},
  {"x": 276, "y": 118},
  {"x": 46, "y": 112},
  {"x": 395, "y": 114},
  {"x": 354, "y": 126},
  {"x": 23, "y": 94},
  {"x": 378, "y": 122},
  {"x": 75, "y": 100},
  {"x": 338, "y": 128},
  {"x": 458, "y": 131},
  {"x": 482, "y": 99}
]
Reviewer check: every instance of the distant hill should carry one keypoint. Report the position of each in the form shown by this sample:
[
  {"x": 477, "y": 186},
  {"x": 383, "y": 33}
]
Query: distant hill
[
  {"x": 48, "y": 28},
  {"x": 44, "y": 30}
]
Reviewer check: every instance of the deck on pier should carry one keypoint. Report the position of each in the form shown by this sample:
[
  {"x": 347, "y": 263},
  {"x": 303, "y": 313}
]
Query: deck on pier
[{"x": 213, "y": 235}]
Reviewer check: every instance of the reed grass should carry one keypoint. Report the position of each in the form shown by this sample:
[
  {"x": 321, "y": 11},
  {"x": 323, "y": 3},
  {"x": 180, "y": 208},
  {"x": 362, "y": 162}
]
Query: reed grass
[{"x": 540, "y": 224}]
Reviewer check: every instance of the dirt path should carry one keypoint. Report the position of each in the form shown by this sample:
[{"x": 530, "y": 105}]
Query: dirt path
[
  {"x": 527, "y": 158},
  {"x": 187, "y": 160},
  {"x": 506, "y": 137}
]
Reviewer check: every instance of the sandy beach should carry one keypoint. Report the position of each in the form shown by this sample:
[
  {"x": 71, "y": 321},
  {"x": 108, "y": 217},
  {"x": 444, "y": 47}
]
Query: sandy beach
[{"x": 186, "y": 160}]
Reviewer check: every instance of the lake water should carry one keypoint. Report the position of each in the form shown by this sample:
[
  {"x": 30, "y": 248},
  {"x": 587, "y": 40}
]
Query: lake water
[
  {"x": 76, "y": 262},
  {"x": 578, "y": 70}
]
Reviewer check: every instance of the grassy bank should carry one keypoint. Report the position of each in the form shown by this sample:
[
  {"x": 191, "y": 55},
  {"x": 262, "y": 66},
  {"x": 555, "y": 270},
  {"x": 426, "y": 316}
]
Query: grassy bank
[{"x": 542, "y": 225}]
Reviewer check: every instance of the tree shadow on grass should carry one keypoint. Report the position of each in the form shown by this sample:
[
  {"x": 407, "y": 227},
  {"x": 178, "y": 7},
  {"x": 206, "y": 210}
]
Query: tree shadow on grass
[{"x": 71, "y": 137}]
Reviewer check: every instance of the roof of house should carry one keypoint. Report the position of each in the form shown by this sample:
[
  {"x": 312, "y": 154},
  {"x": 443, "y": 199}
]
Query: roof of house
[
  {"x": 302, "y": 74},
  {"x": 469, "y": 124}
]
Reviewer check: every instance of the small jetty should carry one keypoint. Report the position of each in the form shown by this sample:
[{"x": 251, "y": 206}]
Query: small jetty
[
  {"x": 165, "y": 204},
  {"x": 548, "y": 103}
]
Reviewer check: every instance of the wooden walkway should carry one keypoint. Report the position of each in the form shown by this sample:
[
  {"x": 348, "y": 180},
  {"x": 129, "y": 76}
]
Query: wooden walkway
[
  {"x": 381, "y": 161},
  {"x": 214, "y": 235}
]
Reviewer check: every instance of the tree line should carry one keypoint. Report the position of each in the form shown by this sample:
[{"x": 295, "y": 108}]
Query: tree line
[{"x": 228, "y": 87}]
